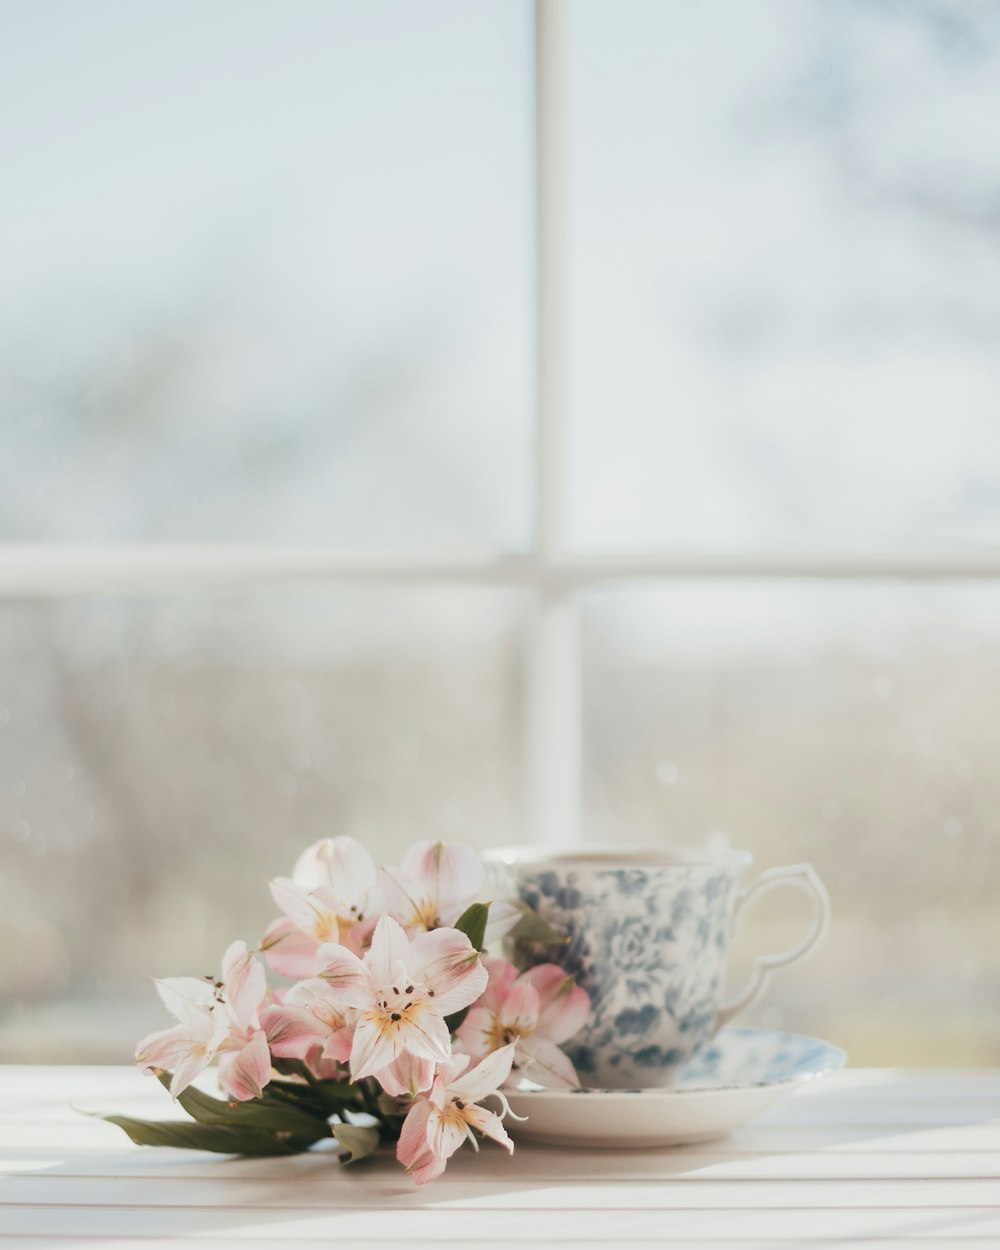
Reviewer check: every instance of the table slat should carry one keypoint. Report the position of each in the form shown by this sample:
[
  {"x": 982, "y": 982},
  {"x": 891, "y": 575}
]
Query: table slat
[{"x": 866, "y": 1159}]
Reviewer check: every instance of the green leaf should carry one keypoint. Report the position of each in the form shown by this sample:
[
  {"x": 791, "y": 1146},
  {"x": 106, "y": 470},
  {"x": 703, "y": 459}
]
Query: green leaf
[
  {"x": 532, "y": 928},
  {"x": 340, "y": 1091},
  {"x": 315, "y": 1096},
  {"x": 472, "y": 922},
  {"x": 263, "y": 1113},
  {"x": 313, "y": 1102},
  {"x": 359, "y": 1141},
  {"x": 220, "y": 1138},
  {"x": 390, "y": 1108}
]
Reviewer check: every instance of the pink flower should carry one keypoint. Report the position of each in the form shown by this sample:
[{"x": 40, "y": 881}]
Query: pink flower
[
  {"x": 435, "y": 883},
  {"x": 437, "y": 1125},
  {"x": 189, "y": 1047},
  {"x": 245, "y": 1065},
  {"x": 329, "y": 898},
  {"x": 403, "y": 990},
  {"x": 307, "y": 1020},
  {"x": 407, "y": 1075},
  {"x": 534, "y": 1012},
  {"x": 217, "y": 1018}
]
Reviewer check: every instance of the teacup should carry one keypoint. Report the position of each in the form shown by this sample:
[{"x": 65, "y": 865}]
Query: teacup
[{"x": 648, "y": 939}]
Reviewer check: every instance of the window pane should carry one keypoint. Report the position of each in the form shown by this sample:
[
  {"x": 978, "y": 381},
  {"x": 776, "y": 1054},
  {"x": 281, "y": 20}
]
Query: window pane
[
  {"x": 162, "y": 759},
  {"x": 851, "y": 726},
  {"x": 785, "y": 278},
  {"x": 265, "y": 271}
]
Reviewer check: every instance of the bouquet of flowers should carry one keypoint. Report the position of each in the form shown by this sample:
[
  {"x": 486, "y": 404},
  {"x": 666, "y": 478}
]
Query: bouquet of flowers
[{"x": 396, "y": 1027}]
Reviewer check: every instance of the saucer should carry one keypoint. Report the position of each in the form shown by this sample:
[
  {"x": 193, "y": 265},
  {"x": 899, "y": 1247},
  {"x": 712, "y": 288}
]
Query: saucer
[{"x": 731, "y": 1080}]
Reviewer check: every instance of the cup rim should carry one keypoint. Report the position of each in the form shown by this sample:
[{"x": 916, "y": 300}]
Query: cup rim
[{"x": 614, "y": 857}]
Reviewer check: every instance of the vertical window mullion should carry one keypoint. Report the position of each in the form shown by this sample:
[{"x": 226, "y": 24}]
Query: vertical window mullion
[{"x": 553, "y": 703}]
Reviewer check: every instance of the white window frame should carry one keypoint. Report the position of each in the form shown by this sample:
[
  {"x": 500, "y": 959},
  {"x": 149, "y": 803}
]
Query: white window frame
[{"x": 549, "y": 572}]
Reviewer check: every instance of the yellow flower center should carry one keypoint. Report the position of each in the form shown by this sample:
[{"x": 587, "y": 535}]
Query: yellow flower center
[
  {"x": 426, "y": 915},
  {"x": 327, "y": 928},
  {"x": 503, "y": 1035}
]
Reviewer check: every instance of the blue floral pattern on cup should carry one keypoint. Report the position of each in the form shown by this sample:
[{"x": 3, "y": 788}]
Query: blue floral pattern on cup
[
  {"x": 648, "y": 937},
  {"x": 649, "y": 946}
]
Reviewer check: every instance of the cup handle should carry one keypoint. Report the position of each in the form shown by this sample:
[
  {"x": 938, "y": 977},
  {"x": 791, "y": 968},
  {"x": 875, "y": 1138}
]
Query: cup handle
[{"x": 803, "y": 877}]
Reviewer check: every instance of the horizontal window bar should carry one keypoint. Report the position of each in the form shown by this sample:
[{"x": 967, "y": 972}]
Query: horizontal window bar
[
  {"x": 45, "y": 569},
  {"x": 29, "y": 570}
]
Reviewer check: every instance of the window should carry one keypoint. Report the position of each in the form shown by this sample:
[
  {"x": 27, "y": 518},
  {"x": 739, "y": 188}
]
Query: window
[{"x": 498, "y": 421}]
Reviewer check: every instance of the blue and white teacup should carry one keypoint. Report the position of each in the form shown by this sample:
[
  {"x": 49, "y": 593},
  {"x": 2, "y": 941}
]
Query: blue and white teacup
[{"x": 648, "y": 939}]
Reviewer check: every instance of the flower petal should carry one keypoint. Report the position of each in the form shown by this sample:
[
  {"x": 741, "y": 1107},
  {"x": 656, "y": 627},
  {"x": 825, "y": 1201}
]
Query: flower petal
[
  {"x": 186, "y": 998},
  {"x": 373, "y": 1048},
  {"x": 406, "y": 1076},
  {"x": 477, "y": 1032},
  {"x": 302, "y": 906},
  {"x": 563, "y": 1005},
  {"x": 357, "y": 937},
  {"x": 489, "y": 1123},
  {"x": 402, "y": 897},
  {"x": 519, "y": 1011},
  {"x": 502, "y": 976},
  {"x": 447, "y": 963},
  {"x": 452, "y": 1068},
  {"x": 341, "y": 864},
  {"x": 245, "y": 983},
  {"x": 326, "y": 1069},
  {"x": 290, "y": 951},
  {"x": 445, "y": 1132},
  {"x": 292, "y": 1032},
  {"x": 243, "y": 1075},
  {"x": 195, "y": 1061},
  {"x": 330, "y": 1026},
  {"x": 486, "y": 1077},
  {"x": 413, "y": 1150},
  {"x": 424, "y": 1033},
  {"x": 542, "y": 1061},
  {"x": 346, "y": 977},
  {"x": 166, "y": 1048},
  {"x": 338, "y": 1046},
  {"x": 390, "y": 947},
  {"x": 429, "y": 1169},
  {"x": 450, "y": 873}
]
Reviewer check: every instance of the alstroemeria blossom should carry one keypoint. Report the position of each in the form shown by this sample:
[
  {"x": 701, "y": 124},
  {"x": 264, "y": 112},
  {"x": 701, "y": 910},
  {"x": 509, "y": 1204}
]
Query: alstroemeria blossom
[
  {"x": 307, "y": 1024},
  {"x": 534, "y": 1011},
  {"x": 403, "y": 990},
  {"x": 328, "y": 898},
  {"x": 188, "y": 1047},
  {"x": 439, "y": 1123},
  {"x": 216, "y": 1018},
  {"x": 435, "y": 883}
]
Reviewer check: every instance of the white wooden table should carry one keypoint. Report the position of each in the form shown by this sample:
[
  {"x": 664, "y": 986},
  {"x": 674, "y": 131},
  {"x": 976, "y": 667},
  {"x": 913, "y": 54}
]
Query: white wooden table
[{"x": 863, "y": 1159}]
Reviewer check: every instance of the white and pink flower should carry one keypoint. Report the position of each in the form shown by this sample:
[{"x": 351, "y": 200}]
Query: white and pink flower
[
  {"x": 330, "y": 897},
  {"x": 534, "y": 1011},
  {"x": 403, "y": 990},
  {"x": 439, "y": 1123},
  {"x": 307, "y": 1024},
  {"x": 435, "y": 883},
  {"x": 217, "y": 1018}
]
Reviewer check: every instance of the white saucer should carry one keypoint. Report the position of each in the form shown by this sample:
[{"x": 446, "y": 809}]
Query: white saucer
[{"x": 727, "y": 1083}]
